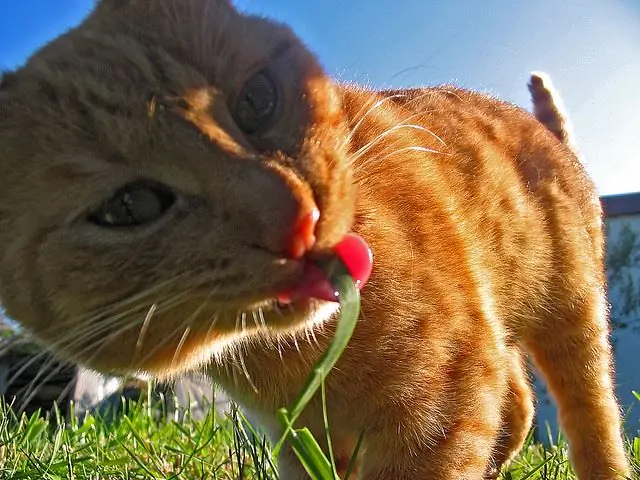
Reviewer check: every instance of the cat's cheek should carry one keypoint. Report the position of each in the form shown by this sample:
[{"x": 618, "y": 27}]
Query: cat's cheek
[
  {"x": 161, "y": 342},
  {"x": 20, "y": 290},
  {"x": 171, "y": 341}
]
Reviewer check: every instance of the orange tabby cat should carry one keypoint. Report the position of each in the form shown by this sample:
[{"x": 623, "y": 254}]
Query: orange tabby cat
[{"x": 171, "y": 172}]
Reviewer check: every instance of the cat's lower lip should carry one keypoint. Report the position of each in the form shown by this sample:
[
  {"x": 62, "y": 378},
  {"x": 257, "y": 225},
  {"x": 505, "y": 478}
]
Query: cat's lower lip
[
  {"x": 313, "y": 283},
  {"x": 354, "y": 252}
]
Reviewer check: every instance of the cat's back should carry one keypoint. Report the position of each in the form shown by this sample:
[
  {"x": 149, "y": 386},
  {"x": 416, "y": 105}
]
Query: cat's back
[
  {"x": 471, "y": 129},
  {"x": 479, "y": 179}
]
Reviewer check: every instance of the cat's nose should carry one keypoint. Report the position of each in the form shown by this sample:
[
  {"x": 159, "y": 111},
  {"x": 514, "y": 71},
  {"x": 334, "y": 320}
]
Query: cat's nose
[{"x": 303, "y": 236}]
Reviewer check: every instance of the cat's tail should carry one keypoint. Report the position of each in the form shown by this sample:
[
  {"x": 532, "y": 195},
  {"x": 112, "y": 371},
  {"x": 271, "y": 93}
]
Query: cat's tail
[{"x": 549, "y": 109}]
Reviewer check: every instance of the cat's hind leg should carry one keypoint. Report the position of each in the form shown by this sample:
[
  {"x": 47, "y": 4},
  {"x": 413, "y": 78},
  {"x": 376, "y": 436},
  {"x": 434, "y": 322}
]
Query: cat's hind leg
[{"x": 572, "y": 351}]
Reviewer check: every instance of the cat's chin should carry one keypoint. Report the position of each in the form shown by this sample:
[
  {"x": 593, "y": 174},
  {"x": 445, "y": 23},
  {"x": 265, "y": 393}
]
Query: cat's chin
[{"x": 300, "y": 314}]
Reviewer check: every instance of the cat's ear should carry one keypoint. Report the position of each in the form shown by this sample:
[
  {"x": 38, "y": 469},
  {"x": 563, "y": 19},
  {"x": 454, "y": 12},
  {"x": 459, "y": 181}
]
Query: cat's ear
[
  {"x": 7, "y": 80},
  {"x": 112, "y": 4},
  {"x": 115, "y": 5}
]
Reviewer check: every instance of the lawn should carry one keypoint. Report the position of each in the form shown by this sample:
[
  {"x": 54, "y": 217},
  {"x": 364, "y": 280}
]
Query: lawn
[{"x": 147, "y": 443}]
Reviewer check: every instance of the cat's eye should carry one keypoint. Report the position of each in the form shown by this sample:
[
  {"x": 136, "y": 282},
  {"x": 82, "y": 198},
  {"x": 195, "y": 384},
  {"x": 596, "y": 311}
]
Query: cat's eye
[
  {"x": 256, "y": 105},
  {"x": 133, "y": 205}
]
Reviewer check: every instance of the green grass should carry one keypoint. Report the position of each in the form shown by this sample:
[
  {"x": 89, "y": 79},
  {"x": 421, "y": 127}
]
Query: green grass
[{"x": 146, "y": 444}]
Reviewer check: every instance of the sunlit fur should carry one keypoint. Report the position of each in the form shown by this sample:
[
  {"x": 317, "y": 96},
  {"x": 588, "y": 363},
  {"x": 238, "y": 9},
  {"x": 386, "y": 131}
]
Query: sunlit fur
[
  {"x": 549, "y": 108},
  {"x": 486, "y": 234}
]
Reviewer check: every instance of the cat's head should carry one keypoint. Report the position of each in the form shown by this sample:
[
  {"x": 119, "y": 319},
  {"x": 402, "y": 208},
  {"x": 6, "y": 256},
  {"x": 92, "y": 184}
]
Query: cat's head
[{"x": 160, "y": 169}]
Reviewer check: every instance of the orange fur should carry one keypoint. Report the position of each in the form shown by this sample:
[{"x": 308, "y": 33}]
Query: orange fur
[{"x": 486, "y": 233}]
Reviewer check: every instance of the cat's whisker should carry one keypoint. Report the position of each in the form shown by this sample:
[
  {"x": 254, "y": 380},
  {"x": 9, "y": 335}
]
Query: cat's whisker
[
  {"x": 367, "y": 146},
  {"x": 83, "y": 324},
  {"x": 307, "y": 335},
  {"x": 451, "y": 92},
  {"x": 101, "y": 344},
  {"x": 116, "y": 308},
  {"x": 183, "y": 339},
  {"x": 279, "y": 347},
  {"x": 26, "y": 364},
  {"x": 422, "y": 128},
  {"x": 232, "y": 364},
  {"x": 80, "y": 337},
  {"x": 312, "y": 330},
  {"x": 362, "y": 119},
  {"x": 189, "y": 322},
  {"x": 137, "y": 298},
  {"x": 34, "y": 385},
  {"x": 433, "y": 134},
  {"x": 362, "y": 151},
  {"x": 295, "y": 342},
  {"x": 396, "y": 152},
  {"x": 244, "y": 369},
  {"x": 117, "y": 322},
  {"x": 212, "y": 324},
  {"x": 143, "y": 331},
  {"x": 237, "y": 321},
  {"x": 416, "y": 99},
  {"x": 169, "y": 336},
  {"x": 125, "y": 324},
  {"x": 7, "y": 343},
  {"x": 261, "y": 326},
  {"x": 254, "y": 316},
  {"x": 105, "y": 323},
  {"x": 65, "y": 391},
  {"x": 263, "y": 322}
]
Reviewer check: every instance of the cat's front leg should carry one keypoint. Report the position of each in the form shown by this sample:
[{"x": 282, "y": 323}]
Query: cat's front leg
[
  {"x": 463, "y": 454},
  {"x": 455, "y": 446}
]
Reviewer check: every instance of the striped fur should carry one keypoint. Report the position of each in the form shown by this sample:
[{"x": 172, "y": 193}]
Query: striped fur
[{"x": 485, "y": 229}]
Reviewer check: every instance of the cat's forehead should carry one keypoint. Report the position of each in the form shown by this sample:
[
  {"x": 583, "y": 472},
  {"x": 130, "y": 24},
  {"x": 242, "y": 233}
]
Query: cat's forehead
[
  {"x": 128, "y": 53},
  {"x": 209, "y": 36},
  {"x": 159, "y": 46}
]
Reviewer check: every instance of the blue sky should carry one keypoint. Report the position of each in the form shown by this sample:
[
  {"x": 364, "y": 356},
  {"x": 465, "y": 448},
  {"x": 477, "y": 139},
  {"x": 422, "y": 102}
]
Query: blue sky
[{"x": 591, "y": 48}]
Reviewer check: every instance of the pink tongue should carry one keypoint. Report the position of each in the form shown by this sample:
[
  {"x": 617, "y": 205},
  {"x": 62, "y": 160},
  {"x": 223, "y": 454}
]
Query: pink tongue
[{"x": 357, "y": 257}]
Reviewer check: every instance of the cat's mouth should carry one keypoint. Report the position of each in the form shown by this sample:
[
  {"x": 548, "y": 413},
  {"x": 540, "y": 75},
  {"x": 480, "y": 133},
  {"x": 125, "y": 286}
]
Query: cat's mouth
[{"x": 315, "y": 281}]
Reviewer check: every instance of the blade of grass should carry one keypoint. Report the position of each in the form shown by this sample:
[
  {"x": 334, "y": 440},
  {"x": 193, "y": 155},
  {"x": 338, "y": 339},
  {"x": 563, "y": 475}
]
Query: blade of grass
[
  {"x": 354, "y": 456},
  {"x": 349, "y": 313},
  {"x": 327, "y": 433},
  {"x": 310, "y": 454}
]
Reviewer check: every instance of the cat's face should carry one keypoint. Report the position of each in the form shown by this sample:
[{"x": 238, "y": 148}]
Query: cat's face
[{"x": 154, "y": 165}]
